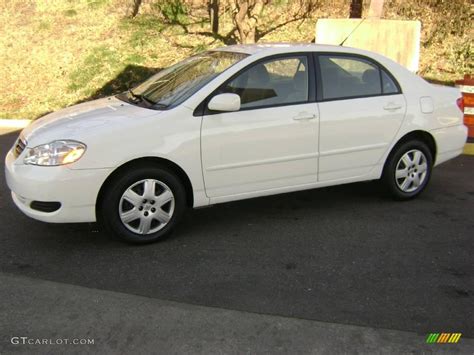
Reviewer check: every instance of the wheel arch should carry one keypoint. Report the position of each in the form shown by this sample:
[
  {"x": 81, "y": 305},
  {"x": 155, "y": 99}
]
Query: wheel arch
[
  {"x": 419, "y": 135},
  {"x": 147, "y": 161}
]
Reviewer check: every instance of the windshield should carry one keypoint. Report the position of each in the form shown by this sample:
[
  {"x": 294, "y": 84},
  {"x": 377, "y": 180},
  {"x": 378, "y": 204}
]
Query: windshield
[{"x": 173, "y": 85}]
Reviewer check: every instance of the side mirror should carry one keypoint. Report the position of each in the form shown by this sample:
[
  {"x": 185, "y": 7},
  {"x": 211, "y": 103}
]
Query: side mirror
[{"x": 224, "y": 102}]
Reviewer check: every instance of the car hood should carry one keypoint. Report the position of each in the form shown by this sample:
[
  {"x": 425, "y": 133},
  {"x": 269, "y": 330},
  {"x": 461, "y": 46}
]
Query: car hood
[{"x": 76, "y": 121}]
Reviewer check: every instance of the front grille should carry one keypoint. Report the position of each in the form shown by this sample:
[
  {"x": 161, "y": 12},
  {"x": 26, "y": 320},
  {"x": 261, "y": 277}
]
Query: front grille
[
  {"x": 44, "y": 206},
  {"x": 19, "y": 147}
]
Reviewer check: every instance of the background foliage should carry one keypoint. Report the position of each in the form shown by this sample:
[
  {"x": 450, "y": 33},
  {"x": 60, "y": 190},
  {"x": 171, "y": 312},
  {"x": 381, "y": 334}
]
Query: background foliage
[{"x": 56, "y": 53}]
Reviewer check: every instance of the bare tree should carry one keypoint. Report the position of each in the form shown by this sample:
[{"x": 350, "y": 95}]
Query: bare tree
[{"x": 246, "y": 17}]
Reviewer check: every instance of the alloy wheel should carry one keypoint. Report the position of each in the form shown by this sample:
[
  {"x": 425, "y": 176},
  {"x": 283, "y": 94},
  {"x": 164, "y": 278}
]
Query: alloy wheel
[
  {"x": 146, "y": 206},
  {"x": 411, "y": 170}
]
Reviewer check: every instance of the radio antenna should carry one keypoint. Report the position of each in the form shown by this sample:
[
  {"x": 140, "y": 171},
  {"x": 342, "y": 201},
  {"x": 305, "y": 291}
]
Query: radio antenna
[{"x": 350, "y": 34}]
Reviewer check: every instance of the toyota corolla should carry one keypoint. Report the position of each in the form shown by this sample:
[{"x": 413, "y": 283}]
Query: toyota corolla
[{"x": 234, "y": 123}]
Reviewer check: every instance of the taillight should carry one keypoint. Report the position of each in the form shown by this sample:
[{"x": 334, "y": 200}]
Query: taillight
[{"x": 460, "y": 103}]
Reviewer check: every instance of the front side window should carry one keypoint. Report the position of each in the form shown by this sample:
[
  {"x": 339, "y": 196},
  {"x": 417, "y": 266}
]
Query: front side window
[
  {"x": 173, "y": 85},
  {"x": 274, "y": 82},
  {"x": 346, "y": 77}
]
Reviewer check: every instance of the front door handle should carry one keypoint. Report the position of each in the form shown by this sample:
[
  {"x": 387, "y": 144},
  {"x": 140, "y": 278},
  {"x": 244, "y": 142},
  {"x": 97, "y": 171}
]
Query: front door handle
[
  {"x": 304, "y": 116},
  {"x": 392, "y": 107}
]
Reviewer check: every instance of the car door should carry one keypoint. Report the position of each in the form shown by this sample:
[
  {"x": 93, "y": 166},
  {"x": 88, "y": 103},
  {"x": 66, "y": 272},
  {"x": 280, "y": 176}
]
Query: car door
[
  {"x": 361, "y": 110},
  {"x": 272, "y": 141}
]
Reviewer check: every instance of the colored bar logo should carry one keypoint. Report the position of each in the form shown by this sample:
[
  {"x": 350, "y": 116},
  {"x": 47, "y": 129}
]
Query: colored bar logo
[{"x": 443, "y": 338}]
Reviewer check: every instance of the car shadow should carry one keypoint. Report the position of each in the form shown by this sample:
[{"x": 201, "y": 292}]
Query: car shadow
[{"x": 129, "y": 77}]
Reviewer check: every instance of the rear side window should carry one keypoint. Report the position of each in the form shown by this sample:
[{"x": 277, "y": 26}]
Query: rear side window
[
  {"x": 388, "y": 85},
  {"x": 348, "y": 76}
]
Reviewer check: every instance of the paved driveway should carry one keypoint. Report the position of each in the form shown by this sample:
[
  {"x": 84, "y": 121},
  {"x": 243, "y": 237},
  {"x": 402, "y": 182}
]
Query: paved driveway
[{"x": 343, "y": 254}]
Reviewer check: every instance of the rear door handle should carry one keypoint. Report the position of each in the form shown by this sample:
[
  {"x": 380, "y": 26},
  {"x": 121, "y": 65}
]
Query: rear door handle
[
  {"x": 304, "y": 116},
  {"x": 392, "y": 107}
]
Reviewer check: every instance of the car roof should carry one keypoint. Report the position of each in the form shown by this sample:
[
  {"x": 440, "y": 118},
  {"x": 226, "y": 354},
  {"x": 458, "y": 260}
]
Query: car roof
[{"x": 282, "y": 47}]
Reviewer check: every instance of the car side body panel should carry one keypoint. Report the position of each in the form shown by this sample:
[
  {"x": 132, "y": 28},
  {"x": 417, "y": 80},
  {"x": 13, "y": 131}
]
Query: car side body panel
[
  {"x": 353, "y": 141},
  {"x": 244, "y": 152},
  {"x": 117, "y": 133}
]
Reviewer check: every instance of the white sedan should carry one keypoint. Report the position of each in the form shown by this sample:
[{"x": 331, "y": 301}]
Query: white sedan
[{"x": 234, "y": 123}]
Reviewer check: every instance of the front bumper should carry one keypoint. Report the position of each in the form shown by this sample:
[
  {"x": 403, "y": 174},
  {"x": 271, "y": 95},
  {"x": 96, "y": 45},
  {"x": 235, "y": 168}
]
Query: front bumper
[{"x": 76, "y": 190}]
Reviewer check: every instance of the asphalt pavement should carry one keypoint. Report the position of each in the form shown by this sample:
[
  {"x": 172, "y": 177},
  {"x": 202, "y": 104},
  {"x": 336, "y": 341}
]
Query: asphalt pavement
[
  {"x": 347, "y": 254},
  {"x": 78, "y": 320}
]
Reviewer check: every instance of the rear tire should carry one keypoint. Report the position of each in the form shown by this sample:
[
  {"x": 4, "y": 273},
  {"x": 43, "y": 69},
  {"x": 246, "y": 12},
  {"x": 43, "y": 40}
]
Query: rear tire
[
  {"x": 408, "y": 170},
  {"x": 142, "y": 204}
]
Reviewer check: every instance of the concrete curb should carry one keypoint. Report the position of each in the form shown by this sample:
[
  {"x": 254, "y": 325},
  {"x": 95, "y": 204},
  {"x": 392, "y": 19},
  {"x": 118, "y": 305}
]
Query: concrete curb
[
  {"x": 14, "y": 123},
  {"x": 469, "y": 149}
]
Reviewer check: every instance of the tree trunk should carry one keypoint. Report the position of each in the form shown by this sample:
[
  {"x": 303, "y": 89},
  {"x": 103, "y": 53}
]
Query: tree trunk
[
  {"x": 246, "y": 19},
  {"x": 136, "y": 7},
  {"x": 214, "y": 15},
  {"x": 240, "y": 19},
  {"x": 356, "y": 9}
]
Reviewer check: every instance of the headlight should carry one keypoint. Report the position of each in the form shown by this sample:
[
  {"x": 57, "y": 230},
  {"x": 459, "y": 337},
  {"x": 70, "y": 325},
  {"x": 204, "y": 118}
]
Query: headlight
[{"x": 55, "y": 153}]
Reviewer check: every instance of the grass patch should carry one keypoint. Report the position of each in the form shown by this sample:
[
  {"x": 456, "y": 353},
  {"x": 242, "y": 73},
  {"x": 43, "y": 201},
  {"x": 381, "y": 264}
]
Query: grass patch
[
  {"x": 70, "y": 13},
  {"x": 95, "y": 4},
  {"x": 44, "y": 25},
  {"x": 101, "y": 63},
  {"x": 57, "y": 53}
]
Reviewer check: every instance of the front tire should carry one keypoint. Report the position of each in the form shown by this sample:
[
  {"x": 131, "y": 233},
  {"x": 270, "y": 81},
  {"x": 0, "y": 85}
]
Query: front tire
[
  {"x": 143, "y": 204},
  {"x": 408, "y": 170}
]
